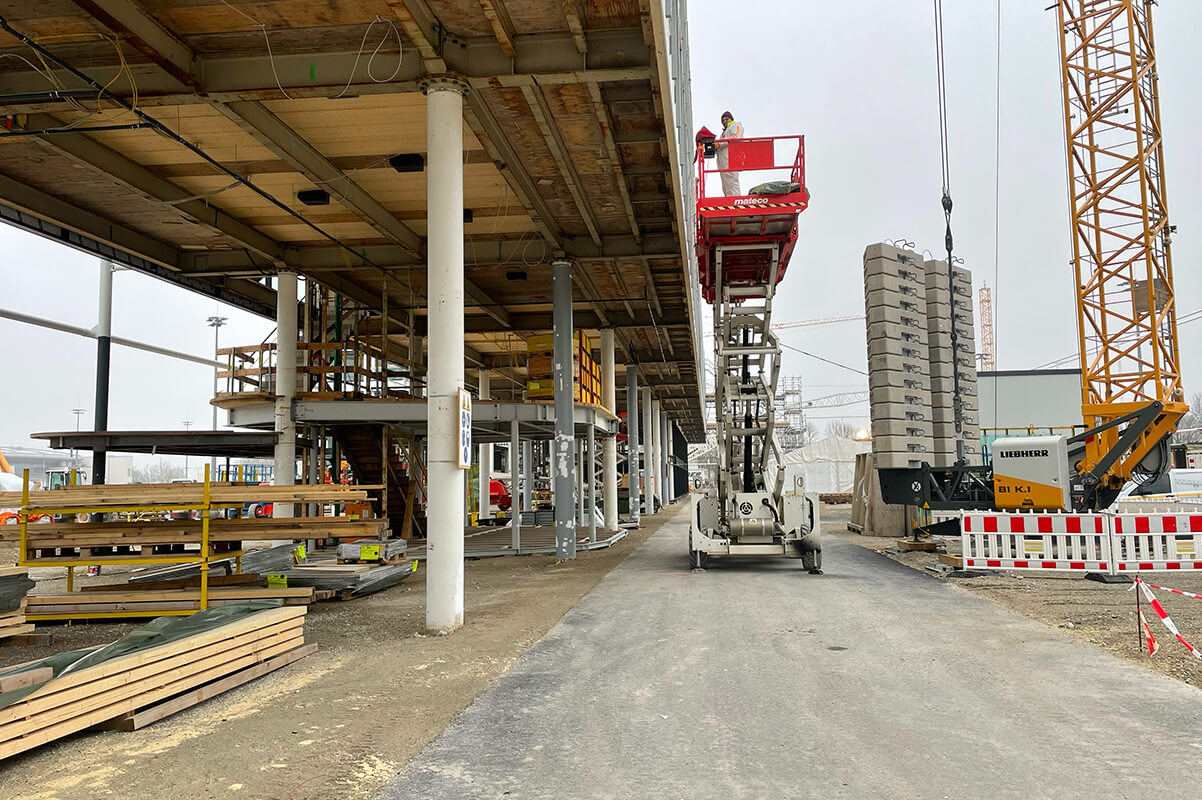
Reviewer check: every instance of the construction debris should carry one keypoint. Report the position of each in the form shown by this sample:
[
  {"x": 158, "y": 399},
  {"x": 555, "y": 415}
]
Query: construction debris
[{"x": 156, "y": 670}]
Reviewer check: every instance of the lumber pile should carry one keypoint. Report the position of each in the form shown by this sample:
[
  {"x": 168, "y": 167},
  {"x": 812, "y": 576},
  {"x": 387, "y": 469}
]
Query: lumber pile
[
  {"x": 179, "y": 494},
  {"x": 379, "y": 551},
  {"x": 159, "y": 669},
  {"x": 267, "y": 560},
  {"x": 350, "y": 580},
  {"x": 141, "y": 602},
  {"x": 14, "y": 586}
]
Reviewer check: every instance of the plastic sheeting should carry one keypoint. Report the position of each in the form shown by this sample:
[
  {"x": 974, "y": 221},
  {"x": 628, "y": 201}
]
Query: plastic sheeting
[
  {"x": 829, "y": 464},
  {"x": 163, "y": 630}
]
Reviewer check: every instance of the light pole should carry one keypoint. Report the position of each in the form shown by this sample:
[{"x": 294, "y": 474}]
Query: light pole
[
  {"x": 78, "y": 412},
  {"x": 187, "y": 427},
  {"x": 215, "y": 322}
]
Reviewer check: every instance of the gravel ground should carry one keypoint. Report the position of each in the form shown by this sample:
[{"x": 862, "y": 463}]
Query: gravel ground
[
  {"x": 1099, "y": 614},
  {"x": 338, "y": 724}
]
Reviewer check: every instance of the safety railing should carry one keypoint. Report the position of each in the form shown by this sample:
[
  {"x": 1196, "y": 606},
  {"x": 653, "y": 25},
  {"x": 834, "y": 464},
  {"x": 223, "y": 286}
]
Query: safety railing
[
  {"x": 1111, "y": 542},
  {"x": 351, "y": 369},
  {"x": 755, "y": 154}
]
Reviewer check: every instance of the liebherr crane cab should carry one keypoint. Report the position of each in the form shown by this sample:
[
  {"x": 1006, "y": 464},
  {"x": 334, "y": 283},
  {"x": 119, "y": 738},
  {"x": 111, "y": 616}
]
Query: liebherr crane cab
[{"x": 743, "y": 246}]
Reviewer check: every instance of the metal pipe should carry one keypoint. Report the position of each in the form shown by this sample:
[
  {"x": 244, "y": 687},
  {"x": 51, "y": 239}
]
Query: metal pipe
[
  {"x": 75, "y": 330},
  {"x": 285, "y": 388},
  {"x": 527, "y": 475},
  {"x": 444, "y": 478},
  {"x": 609, "y": 446},
  {"x": 632, "y": 441},
  {"x": 565, "y": 434},
  {"x": 104, "y": 343}
]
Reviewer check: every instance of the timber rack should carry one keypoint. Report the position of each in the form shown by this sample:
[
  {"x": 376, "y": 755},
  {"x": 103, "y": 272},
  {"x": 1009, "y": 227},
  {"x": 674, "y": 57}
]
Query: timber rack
[{"x": 140, "y": 527}]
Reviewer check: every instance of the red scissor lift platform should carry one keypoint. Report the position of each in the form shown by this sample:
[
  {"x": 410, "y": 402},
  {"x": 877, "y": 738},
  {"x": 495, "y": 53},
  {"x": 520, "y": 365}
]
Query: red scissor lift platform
[{"x": 738, "y": 224}]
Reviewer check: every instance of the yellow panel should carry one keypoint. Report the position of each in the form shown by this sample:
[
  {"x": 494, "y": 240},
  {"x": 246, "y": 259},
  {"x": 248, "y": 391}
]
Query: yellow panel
[{"x": 1017, "y": 493}]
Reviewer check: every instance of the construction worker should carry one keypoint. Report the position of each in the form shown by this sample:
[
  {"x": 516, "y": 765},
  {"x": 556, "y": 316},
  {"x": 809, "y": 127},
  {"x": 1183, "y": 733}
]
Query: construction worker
[{"x": 730, "y": 130}]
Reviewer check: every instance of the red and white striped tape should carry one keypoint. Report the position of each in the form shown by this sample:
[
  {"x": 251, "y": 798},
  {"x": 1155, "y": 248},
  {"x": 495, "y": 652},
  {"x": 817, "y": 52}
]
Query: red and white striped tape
[
  {"x": 1174, "y": 591},
  {"x": 1164, "y": 617},
  {"x": 1148, "y": 633}
]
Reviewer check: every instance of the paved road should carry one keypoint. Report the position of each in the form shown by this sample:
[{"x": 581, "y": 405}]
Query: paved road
[{"x": 759, "y": 681}]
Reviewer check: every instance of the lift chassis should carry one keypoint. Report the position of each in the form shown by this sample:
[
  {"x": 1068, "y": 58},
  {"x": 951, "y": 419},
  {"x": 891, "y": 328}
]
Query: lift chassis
[{"x": 743, "y": 249}]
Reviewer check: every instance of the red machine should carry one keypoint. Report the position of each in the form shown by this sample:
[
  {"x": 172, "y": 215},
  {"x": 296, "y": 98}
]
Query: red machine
[{"x": 746, "y": 241}]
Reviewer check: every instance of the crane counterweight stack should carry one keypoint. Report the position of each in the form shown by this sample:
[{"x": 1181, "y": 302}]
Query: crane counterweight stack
[{"x": 744, "y": 245}]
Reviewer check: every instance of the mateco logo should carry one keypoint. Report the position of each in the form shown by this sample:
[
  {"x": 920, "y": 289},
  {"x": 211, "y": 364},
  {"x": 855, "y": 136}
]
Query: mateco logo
[
  {"x": 749, "y": 201},
  {"x": 1023, "y": 453}
]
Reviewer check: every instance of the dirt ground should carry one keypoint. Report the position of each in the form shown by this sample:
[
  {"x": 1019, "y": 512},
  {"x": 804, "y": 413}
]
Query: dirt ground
[
  {"x": 337, "y": 724},
  {"x": 1099, "y": 614}
]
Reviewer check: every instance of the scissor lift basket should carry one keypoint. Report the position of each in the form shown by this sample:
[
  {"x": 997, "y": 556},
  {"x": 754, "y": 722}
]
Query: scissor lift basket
[{"x": 749, "y": 220}]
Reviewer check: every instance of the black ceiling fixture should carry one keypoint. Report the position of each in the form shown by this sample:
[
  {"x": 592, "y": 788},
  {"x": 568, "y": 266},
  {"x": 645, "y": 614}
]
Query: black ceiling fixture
[
  {"x": 468, "y": 215},
  {"x": 408, "y": 162},
  {"x": 516, "y": 275},
  {"x": 314, "y": 197}
]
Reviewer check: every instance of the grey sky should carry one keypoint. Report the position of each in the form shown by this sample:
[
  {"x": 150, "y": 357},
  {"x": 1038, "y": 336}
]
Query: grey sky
[{"x": 858, "y": 79}]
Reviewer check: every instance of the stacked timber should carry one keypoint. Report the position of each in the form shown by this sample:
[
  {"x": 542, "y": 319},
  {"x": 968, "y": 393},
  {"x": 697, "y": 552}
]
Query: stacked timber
[
  {"x": 14, "y": 586},
  {"x": 138, "y": 601},
  {"x": 157, "y": 670},
  {"x": 350, "y": 580},
  {"x": 266, "y": 560},
  {"x": 374, "y": 550},
  {"x": 179, "y": 494}
]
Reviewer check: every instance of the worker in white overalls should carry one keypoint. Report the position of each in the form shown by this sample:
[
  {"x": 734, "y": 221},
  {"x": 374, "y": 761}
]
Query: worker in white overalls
[{"x": 730, "y": 130}]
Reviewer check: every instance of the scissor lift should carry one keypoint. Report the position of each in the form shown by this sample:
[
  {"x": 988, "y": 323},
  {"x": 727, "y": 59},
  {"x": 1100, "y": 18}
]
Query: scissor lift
[{"x": 743, "y": 249}]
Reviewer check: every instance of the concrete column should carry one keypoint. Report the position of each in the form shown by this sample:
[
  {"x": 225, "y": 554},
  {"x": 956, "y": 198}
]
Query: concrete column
[
  {"x": 632, "y": 441},
  {"x": 670, "y": 450},
  {"x": 648, "y": 454},
  {"x": 527, "y": 475},
  {"x": 485, "y": 471},
  {"x": 565, "y": 434},
  {"x": 285, "y": 387},
  {"x": 104, "y": 344},
  {"x": 609, "y": 466},
  {"x": 515, "y": 471},
  {"x": 444, "y": 257},
  {"x": 657, "y": 429}
]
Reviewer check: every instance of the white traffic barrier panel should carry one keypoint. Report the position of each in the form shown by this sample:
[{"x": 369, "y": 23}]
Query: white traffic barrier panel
[
  {"x": 993, "y": 540},
  {"x": 1156, "y": 542}
]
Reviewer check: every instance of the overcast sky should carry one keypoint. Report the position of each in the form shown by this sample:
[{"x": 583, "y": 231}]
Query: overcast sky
[{"x": 858, "y": 79}]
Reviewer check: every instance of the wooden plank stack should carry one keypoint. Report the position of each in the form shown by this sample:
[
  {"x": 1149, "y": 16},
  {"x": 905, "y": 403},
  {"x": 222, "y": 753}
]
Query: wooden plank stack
[
  {"x": 14, "y": 585},
  {"x": 139, "y": 601},
  {"x": 179, "y": 494},
  {"x": 161, "y": 679}
]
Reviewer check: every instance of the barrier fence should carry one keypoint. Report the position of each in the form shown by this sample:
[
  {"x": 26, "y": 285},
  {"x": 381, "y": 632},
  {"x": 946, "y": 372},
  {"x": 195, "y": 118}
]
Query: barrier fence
[{"x": 1111, "y": 542}]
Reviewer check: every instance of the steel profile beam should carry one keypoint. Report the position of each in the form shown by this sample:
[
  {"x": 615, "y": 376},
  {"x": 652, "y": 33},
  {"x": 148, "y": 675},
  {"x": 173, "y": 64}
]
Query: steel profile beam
[
  {"x": 270, "y": 131},
  {"x": 563, "y": 159},
  {"x": 130, "y": 22}
]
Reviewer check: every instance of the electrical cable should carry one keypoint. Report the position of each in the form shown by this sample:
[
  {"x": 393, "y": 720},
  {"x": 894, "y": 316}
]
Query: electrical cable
[
  {"x": 826, "y": 360},
  {"x": 363, "y": 44},
  {"x": 168, "y": 133}
]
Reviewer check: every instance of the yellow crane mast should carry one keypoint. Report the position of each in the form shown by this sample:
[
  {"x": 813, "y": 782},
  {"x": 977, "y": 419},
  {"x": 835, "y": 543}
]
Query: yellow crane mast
[{"x": 1126, "y": 314}]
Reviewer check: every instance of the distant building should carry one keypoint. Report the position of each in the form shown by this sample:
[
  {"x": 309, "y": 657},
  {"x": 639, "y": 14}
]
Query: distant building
[{"x": 37, "y": 461}]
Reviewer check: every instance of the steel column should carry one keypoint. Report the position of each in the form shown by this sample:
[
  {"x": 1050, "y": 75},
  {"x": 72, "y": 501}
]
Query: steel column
[
  {"x": 632, "y": 441},
  {"x": 445, "y": 480},
  {"x": 649, "y": 452},
  {"x": 104, "y": 343},
  {"x": 515, "y": 469},
  {"x": 609, "y": 467},
  {"x": 565, "y": 434},
  {"x": 485, "y": 471},
  {"x": 527, "y": 475},
  {"x": 285, "y": 388}
]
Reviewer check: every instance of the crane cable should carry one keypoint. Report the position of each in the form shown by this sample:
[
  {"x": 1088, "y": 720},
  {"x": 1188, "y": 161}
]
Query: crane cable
[{"x": 946, "y": 202}]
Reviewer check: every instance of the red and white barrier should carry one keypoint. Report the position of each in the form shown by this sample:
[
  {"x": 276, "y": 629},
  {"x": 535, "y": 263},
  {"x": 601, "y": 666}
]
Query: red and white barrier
[
  {"x": 1101, "y": 542},
  {"x": 994, "y": 540},
  {"x": 1151, "y": 640},
  {"x": 1157, "y": 542}
]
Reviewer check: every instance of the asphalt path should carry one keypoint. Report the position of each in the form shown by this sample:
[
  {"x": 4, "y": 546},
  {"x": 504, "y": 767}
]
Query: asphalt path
[{"x": 757, "y": 680}]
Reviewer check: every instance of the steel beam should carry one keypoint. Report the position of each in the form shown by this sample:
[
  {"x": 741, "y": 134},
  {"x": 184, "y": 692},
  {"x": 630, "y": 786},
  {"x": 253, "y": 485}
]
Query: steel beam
[
  {"x": 142, "y": 31},
  {"x": 559, "y": 151}
]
